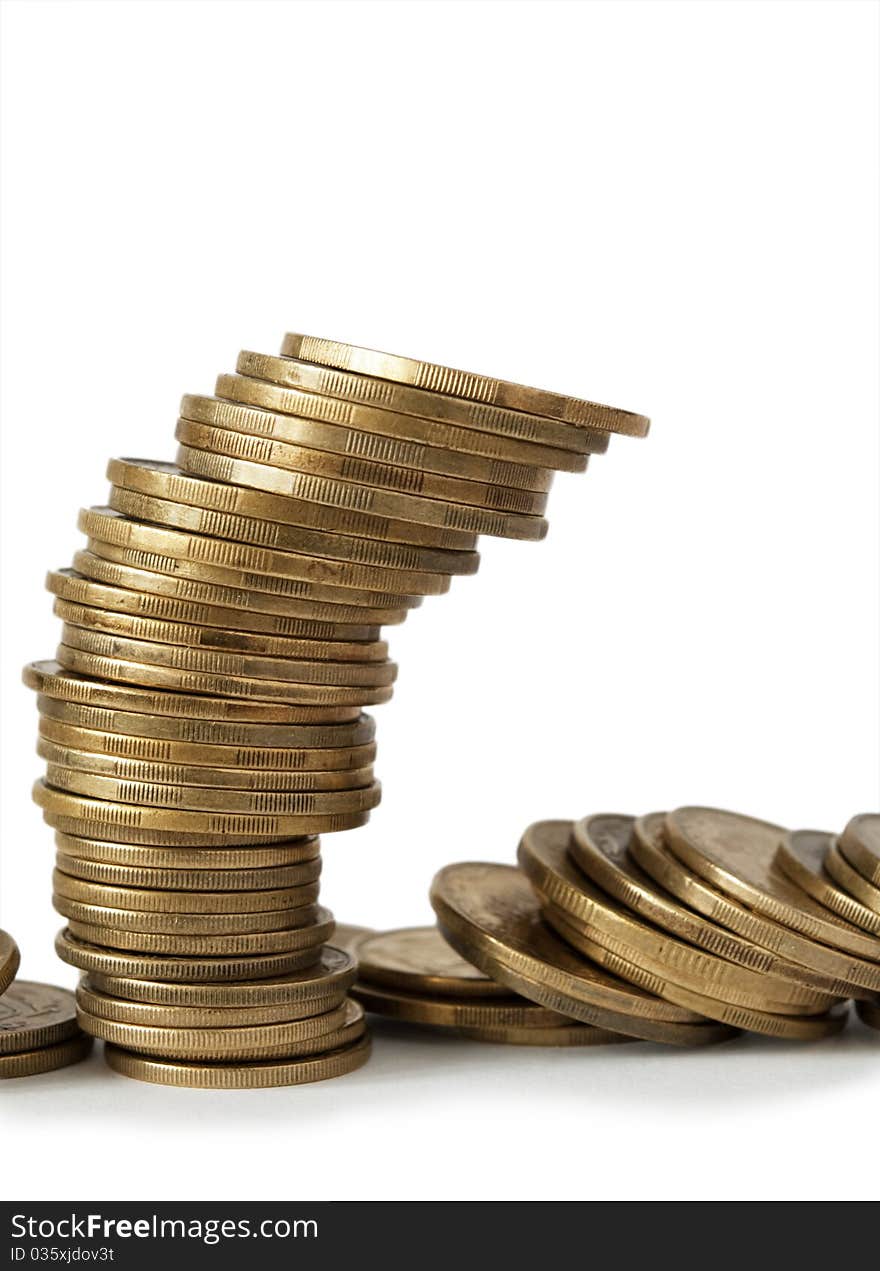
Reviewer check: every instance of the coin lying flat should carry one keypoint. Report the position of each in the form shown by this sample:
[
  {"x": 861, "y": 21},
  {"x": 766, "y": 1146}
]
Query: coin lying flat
[
  {"x": 35, "y": 1015},
  {"x": 177, "y": 969},
  {"x": 419, "y": 960},
  {"x": 737, "y": 853},
  {"x": 860, "y": 845},
  {"x": 29, "y": 1063},
  {"x": 802, "y": 857},
  {"x": 241, "y": 883},
  {"x": 572, "y": 1035},
  {"x": 450, "y": 1012},
  {"x": 349, "y": 937},
  {"x": 111, "y": 934},
  {"x": 445, "y": 379},
  {"x": 149, "y": 1015},
  {"x": 289, "y": 853},
  {"x": 869, "y": 1013},
  {"x": 183, "y": 902},
  {"x": 852, "y": 882},
  {"x": 240, "y": 1076},
  {"x": 9, "y": 960}
]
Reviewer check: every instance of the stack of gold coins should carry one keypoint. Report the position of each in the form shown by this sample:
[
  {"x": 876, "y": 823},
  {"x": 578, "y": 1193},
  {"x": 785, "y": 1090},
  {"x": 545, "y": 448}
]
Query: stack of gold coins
[
  {"x": 203, "y": 721},
  {"x": 39, "y": 1031},
  {"x": 682, "y": 927}
]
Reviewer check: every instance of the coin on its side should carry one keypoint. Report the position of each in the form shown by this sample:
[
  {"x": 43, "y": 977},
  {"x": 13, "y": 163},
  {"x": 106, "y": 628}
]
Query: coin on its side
[
  {"x": 804, "y": 858},
  {"x": 35, "y": 1015},
  {"x": 28, "y": 1063},
  {"x": 419, "y": 960},
  {"x": 9, "y": 960}
]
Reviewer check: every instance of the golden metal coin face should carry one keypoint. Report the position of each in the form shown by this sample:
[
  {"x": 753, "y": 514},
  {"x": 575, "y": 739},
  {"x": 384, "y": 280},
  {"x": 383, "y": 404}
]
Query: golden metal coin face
[
  {"x": 9, "y": 960},
  {"x": 29, "y": 1063},
  {"x": 860, "y": 845},
  {"x": 737, "y": 854},
  {"x": 35, "y": 1015},
  {"x": 419, "y": 960},
  {"x": 450, "y": 1012},
  {"x": 176, "y": 968},
  {"x": 855, "y": 885},
  {"x": 241, "y": 1076},
  {"x": 349, "y": 937},
  {"x": 434, "y": 378},
  {"x": 803, "y": 856},
  {"x": 201, "y": 859},
  {"x": 869, "y": 1013}
]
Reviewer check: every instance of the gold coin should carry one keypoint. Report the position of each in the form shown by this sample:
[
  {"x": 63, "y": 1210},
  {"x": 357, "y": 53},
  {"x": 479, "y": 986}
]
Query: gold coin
[
  {"x": 252, "y": 606},
  {"x": 118, "y": 964},
  {"x": 869, "y": 1013},
  {"x": 175, "y": 679},
  {"x": 233, "y": 945},
  {"x": 246, "y": 642},
  {"x": 572, "y": 1035},
  {"x": 276, "y": 762},
  {"x": 423, "y": 402},
  {"x": 106, "y": 814},
  {"x": 736, "y": 853},
  {"x": 133, "y": 923},
  {"x": 362, "y": 432},
  {"x": 35, "y": 1015},
  {"x": 362, "y": 471},
  {"x": 179, "y": 859},
  {"x": 316, "y": 576},
  {"x": 721, "y": 965},
  {"x": 851, "y": 881},
  {"x": 418, "y": 960},
  {"x": 481, "y": 388},
  {"x": 491, "y": 915},
  {"x": 31, "y": 1062},
  {"x": 350, "y": 938},
  {"x": 52, "y": 680},
  {"x": 126, "y": 835},
  {"x": 220, "y": 466},
  {"x": 147, "y": 1015},
  {"x": 234, "y": 881},
  {"x": 450, "y": 1012},
  {"x": 240, "y": 1076},
  {"x": 803, "y": 857},
  {"x": 169, "y": 903},
  {"x": 821, "y": 967},
  {"x": 181, "y": 774},
  {"x": 9, "y": 960},
  {"x": 860, "y": 844},
  {"x": 332, "y": 973},
  {"x": 259, "y": 1041}
]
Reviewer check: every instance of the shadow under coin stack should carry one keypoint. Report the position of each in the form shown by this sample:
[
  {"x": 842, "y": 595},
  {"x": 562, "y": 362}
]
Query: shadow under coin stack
[
  {"x": 39, "y": 1031},
  {"x": 203, "y": 721}
]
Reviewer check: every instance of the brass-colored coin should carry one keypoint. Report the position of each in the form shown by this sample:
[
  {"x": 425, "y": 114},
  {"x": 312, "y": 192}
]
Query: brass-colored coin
[
  {"x": 253, "y": 605},
  {"x": 787, "y": 1027},
  {"x": 35, "y": 1015},
  {"x": 114, "y": 921},
  {"x": 821, "y": 967},
  {"x": 75, "y": 589},
  {"x": 221, "y": 969},
  {"x": 336, "y": 581},
  {"x": 290, "y": 538},
  {"x": 325, "y": 464},
  {"x": 867, "y": 915},
  {"x": 234, "y": 945},
  {"x": 736, "y": 854},
  {"x": 31, "y": 1062},
  {"x": 147, "y": 1015},
  {"x": 869, "y": 1013},
  {"x": 9, "y": 960},
  {"x": 259, "y": 1041},
  {"x": 127, "y": 835},
  {"x": 860, "y": 844},
  {"x": 562, "y": 1038},
  {"x": 305, "y": 375},
  {"x": 181, "y": 774},
  {"x": 418, "y": 960},
  {"x": 491, "y": 915},
  {"x": 241, "y": 881},
  {"x": 721, "y": 965},
  {"x": 53, "y": 681},
  {"x": 178, "y": 858},
  {"x": 802, "y": 857},
  {"x": 350, "y": 938},
  {"x": 106, "y": 814},
  {"x": 174, "y": 679},
  {"x": 220, "y": 466},
  {"x": 450, "y": 1012},
  {"x": 481, "y": 388},
  {"x": 246, "y": 642},
  {"x": 240, "y": 1076},
  {"x": 333, "y": 972},
  {"x": 170, "y": 903}
]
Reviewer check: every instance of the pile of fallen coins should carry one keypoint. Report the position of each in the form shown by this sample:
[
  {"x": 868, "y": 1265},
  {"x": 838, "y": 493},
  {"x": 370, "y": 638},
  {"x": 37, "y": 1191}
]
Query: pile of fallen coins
[
  {"x": 39, "y": 1031},
  {"x": 203, "y": 721},
  {"x": 683, "y": 928}
]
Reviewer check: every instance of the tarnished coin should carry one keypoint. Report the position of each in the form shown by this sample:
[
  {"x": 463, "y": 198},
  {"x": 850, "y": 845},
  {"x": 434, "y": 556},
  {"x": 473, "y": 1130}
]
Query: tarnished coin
[
  {"x": 177, "y": 969},
  {"x": 860, "y": 844},
  {"x": 29, "y": 1063},
  {"x": 9, "y": 960},
  {"x": 200, "y": 860},
  {"x": 240, "y": 1076},
  {"x": 450, "y": 1012},
  {"x": 177, "y": 882},
  {"x": 803, "y": 858},
  {"x": 737, "y": 853},
  {"x": 419, "y": 960},
  {"x": 434, "y": 378},
  {"x": 869, "y": 1013},
  {"x": 35, "y": 1015},
  {"x": 852, "y": 882},
  {"x": 167, "y": 903},
  {"x": 149, "y": 1015}
]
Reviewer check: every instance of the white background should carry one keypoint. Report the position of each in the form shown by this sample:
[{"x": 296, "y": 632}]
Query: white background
[{"x": 668, "y": 206}]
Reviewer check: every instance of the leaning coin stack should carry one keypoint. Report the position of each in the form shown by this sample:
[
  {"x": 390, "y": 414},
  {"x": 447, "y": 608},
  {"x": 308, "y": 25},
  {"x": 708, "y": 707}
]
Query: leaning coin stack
[
  {"x": 203, "y": 721},
  {"x": 39, "y": 1031}
]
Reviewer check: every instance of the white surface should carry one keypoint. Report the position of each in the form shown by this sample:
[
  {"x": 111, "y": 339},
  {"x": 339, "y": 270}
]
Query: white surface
[{"x": 670, "y": 207}]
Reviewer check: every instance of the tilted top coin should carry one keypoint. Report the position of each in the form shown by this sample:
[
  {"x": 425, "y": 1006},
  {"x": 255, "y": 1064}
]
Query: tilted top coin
[
  {"x": 35, "y": 1015},
  {"x": 419, "y": 960},
  {"x": 860, "y": 844},
  {"x": 9, "y": 959},
  {"x": 802, "y": 857}
]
